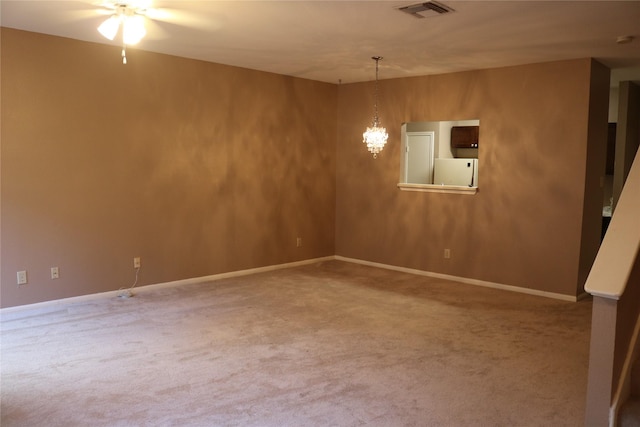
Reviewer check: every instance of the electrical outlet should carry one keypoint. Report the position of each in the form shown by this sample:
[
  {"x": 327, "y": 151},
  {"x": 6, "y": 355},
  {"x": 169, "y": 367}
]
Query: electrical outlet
[
  {"x": 136, "y": 262},
  {"x": 22, "y": 277},
  {"x": 447, "y": 253},
  {"x": 55, "y": 273},
  {"x": 299, "y": 242}
]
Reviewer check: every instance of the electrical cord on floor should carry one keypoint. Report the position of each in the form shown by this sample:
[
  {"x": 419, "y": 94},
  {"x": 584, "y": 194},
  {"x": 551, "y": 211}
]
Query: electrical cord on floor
[{"x": 126, "y": 292}]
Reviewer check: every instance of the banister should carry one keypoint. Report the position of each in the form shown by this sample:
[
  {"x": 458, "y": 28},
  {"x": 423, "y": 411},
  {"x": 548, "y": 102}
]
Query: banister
[
  {"x": 614, "y": 282},
  {"x": 615, "y": 259}
]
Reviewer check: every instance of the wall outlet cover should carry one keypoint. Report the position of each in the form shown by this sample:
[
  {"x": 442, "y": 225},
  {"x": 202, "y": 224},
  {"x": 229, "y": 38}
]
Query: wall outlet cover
[{"x": 22, "y": 277}]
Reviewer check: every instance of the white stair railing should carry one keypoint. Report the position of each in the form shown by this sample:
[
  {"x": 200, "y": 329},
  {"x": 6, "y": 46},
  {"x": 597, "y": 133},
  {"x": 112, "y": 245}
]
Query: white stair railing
[{"x": 614, "y": 282}]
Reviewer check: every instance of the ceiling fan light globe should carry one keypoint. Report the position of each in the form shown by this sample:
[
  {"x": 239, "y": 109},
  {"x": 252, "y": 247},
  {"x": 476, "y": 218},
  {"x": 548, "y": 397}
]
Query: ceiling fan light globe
[
  {"x": 133, "y": 30},
  {"x": 109, "y": 28}
]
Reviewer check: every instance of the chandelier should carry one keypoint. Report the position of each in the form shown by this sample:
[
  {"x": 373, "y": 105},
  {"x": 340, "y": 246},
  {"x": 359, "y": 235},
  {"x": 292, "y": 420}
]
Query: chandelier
[
  {"x": 375, "y": 136},
  {"x": 131, "y": 18}
]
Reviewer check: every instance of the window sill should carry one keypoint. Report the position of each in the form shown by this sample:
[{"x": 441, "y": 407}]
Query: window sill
[{"x": 431, "y": 188}]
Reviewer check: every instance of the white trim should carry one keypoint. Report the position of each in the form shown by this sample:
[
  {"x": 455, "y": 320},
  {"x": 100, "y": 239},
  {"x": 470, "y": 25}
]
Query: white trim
[
  {"x": 462, "y": 279},
  {"x": 624, "y": 385},
  {"x": 213, "y": 277},
  {"x": 432, "y": 188},
  {"x": 115, "y": 293},
  {"x": 237, "y": 273}
]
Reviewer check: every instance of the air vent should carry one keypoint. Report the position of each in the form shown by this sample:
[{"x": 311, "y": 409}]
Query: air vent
[{"x": 426, "y": 10}]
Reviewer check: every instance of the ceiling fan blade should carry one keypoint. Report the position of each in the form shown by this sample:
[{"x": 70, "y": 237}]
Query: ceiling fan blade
[
  {"x": 155, "y": 31},
  {"x": 134, "y": 4},
  {"x": 182, "y": 18},
  {"x": 83, "y": 13}
]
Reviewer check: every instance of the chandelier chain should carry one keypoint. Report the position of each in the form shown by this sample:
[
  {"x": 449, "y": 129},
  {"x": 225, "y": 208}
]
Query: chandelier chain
[{"x": 375, "y": 94}]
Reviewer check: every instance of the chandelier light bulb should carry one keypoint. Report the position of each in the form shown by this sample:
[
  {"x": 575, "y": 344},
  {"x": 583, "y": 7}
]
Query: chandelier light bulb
[{"x": 375, "y": 137}]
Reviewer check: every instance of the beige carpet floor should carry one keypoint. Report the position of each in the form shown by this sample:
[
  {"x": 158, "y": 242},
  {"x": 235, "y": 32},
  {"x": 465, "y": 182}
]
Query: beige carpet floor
[{"x": 330, "y": 344}]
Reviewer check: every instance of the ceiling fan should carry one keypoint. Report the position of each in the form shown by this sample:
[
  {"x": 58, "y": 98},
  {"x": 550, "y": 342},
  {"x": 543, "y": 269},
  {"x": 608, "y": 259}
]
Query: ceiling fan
[
  {"x": 129, "y": 20},
  {"x": 128, "y": 16}
]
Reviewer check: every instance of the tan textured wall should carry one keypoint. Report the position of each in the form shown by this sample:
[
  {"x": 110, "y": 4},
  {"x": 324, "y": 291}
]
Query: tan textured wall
[
  {"x": 162, "y": 159},
  {"x": 627, "y": 134},
  {"x": 198, "y": 168},
  {"x": 523, "y": 227}
]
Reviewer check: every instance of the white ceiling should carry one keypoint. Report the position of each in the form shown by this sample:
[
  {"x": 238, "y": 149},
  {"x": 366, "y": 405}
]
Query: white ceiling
[{"x": 334, "y": 41}]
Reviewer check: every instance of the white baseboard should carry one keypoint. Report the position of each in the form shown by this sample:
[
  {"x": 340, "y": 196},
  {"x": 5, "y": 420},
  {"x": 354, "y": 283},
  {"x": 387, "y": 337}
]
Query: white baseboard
[
  {"x": 50, "y": 305},
  {"x": 462, "y": 279},
  {"x": 53, "y": 304},
  {"x": 238, "y": 273}
]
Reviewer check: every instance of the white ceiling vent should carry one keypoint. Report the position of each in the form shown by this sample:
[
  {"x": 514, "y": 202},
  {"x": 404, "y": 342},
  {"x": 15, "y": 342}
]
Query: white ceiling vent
[{"x": 426, "y": 10}]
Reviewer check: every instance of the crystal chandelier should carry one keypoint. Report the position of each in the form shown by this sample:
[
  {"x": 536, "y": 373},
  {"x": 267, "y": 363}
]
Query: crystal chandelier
[{"x": 375, "y": 136}]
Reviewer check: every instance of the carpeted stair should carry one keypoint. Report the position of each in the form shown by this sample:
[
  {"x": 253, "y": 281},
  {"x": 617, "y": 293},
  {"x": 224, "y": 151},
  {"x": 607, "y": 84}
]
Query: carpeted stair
[{"x": 630, "y": 411}]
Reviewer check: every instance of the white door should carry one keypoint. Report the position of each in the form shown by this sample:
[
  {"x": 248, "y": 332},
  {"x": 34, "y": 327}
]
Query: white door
[{"x": 419, "y": 157}]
